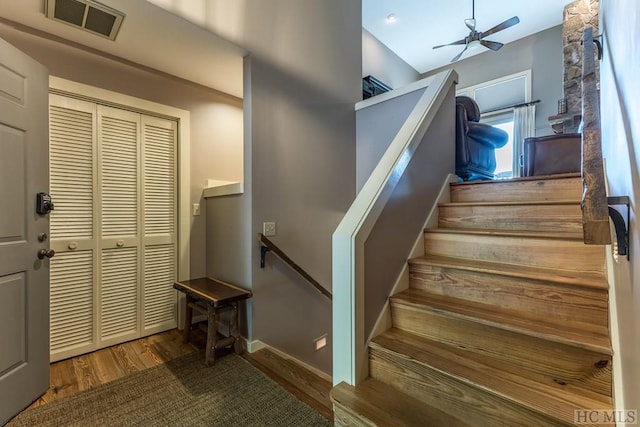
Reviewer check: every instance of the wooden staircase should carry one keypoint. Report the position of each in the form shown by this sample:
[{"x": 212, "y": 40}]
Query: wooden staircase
[{"x": 505, "y": 322}]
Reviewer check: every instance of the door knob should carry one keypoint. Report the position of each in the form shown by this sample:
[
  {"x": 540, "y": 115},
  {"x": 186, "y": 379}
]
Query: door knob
[{"x": 49, "y": 253}]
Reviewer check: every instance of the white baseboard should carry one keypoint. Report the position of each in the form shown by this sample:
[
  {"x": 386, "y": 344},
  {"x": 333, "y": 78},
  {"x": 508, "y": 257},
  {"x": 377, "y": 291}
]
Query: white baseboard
[{"x": 253, "y": 346}]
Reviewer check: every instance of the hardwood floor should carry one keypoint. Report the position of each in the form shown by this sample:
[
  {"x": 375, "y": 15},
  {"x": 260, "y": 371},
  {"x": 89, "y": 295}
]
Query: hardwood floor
[{"x": 83, "y": 372}]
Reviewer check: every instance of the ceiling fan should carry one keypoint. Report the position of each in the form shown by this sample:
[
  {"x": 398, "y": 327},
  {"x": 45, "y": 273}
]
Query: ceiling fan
[{"x": 477, "y": 37}]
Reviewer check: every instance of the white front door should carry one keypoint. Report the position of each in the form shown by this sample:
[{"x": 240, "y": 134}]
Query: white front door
[{"x": 24, "y": 278}]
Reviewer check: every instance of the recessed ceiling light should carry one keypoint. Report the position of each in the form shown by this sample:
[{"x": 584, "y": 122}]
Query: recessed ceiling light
[{"x": 391, "y": 18}]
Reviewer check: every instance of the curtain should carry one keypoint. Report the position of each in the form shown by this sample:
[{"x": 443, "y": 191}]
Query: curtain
[{"x": 524, "y": 126}]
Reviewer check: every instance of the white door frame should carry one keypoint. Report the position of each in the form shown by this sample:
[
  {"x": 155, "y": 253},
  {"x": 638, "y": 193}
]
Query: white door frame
[{"x": 81, "y": 91}]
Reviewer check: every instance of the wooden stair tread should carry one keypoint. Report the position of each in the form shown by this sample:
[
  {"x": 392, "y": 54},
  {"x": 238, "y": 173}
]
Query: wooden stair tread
[
  {"x": 564, "y": 235},
  {"x": 504, "y": 319},
  {"x": 472, "y": 369},
  {"x": 506, "y": 203},
  {"x": 520, "y": 179},
  {"x": 585, "y": 279},
  {"x": 376, "y": 403}
]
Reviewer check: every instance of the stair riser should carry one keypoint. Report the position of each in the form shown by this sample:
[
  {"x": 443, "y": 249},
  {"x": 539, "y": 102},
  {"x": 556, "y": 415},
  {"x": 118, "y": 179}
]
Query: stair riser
[
  {"x": 562, "y": 218},
  {"x": 567, "y": 255},
  {"x": 342, "y": 416},
  {"x": 562, "y": 305},
  {"x": 452, "y": 396},
  {"x": 538, "y": 358},
  {"x": 519, "y": 191}
]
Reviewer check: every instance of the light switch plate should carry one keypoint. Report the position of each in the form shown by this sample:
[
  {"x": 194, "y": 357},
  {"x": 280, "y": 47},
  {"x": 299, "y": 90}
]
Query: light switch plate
[
  {"x": 269, "y": 228},
  {"x": 195, "y": 209}
]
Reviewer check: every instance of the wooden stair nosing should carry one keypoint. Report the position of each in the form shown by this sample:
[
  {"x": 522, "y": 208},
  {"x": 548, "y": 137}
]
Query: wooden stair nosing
[
  {"x": 579, "y": 279},
  {"x": 376, "y": 403},
  {"x": 551, "y": 235},
  {"x": 508, "y": 203},
  {"x": 452, "y": 362},
  {"x": 502, "y": 319}
]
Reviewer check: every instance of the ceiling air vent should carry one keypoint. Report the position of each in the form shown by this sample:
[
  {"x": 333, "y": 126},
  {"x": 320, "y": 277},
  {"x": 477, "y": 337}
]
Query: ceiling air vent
[{"x": 86, "y": 14}]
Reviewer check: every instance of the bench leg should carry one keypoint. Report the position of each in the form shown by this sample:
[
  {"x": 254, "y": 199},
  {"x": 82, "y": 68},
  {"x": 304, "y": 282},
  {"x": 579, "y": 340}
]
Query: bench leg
[
  {"x": 235, "y": 331},
  {"x": 212, "y": 335},
  {"x": 188, "y": 315}
]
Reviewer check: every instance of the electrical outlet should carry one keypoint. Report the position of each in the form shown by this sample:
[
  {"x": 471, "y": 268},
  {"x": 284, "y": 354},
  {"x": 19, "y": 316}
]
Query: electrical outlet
[
  {"x": 320, "y": 343},
  {"x": 195, "y": 209},
  {"x": 269, "y": 228}
]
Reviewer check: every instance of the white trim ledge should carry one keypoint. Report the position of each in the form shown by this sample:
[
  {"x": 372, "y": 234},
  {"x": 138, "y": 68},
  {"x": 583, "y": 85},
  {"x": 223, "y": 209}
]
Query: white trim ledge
[{"x": 216, "y": 188}]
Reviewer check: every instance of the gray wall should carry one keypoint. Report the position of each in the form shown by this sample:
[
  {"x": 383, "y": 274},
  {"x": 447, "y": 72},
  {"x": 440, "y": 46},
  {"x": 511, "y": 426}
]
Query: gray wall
[
  {"x": 394, "y": 233},
  {"x": 376, "y": 126},
  {"x": 540, "y": 52},
  {"x": 302, "y": 84},
  {"x": 620, "y": 109},
  {"x": 216, "y": 118},
  {"x": 382, "y": 63}
]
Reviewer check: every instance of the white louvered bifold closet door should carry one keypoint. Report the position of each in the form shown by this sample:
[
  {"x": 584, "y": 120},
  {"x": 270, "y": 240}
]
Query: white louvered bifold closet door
[
  {"x": 118, "y": 141},
  {"x": 159, "y": 241},
  {"x": 73, "y": 230},
  {"x": 113, "y": 183}
]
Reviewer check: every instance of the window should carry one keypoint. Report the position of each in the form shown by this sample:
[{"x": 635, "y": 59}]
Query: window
[{"x": 504, "y": 155}]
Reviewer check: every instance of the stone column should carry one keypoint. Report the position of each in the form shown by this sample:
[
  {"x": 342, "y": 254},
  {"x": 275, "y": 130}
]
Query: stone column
[{"x": 577, "y": 15}]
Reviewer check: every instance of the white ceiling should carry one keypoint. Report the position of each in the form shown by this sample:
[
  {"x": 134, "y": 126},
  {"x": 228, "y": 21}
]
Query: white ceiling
[
  {"x": 422, "y": 24},
  {"x": 149, "y": 36}
]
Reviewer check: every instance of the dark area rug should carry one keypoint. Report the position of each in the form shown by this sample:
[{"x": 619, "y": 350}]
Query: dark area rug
[{"x": 183, "y": 392}]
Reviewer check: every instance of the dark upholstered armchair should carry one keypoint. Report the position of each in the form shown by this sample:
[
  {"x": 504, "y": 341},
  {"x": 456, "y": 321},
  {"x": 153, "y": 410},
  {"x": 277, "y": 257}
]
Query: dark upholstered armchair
[{"x": 475, "y": 142}]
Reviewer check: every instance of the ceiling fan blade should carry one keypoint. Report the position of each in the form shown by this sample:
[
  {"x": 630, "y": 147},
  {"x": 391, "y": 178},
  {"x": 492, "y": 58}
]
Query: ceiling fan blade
[
  {"x": 502, "y": 26},
  {"x": 470, "y": 23},
  {"x": 461, "y": 41},
  {"x": 491, "y": 45},
  {"x": 455, "y": 58}
]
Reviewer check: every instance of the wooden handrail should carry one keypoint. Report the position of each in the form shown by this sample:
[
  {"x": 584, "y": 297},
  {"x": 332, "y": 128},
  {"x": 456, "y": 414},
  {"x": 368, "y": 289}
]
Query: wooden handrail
[
  {"x": 270, "y": 246},
  {"x": 595, "y": 211}
]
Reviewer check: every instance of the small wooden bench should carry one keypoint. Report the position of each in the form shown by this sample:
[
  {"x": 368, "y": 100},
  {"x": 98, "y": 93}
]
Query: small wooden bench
[{"x": 211, "y": 296}]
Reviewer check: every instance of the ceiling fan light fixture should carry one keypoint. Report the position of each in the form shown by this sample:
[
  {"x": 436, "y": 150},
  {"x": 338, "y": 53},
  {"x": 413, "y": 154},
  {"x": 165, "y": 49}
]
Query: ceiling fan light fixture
[
  {"x": 474, "y": 44},
  {"x": 476, "y": 39}
]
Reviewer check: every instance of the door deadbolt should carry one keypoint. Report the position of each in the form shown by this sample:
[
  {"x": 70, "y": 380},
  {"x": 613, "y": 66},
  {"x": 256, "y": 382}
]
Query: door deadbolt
[{"x": 44, "y": 204}]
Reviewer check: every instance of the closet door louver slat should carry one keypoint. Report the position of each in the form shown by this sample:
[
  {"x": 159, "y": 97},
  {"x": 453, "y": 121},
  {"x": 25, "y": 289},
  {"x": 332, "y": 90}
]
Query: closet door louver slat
[
  {"x": 71, "y": 302},
  {"x": 71, "y": 177},
  {"x": 119, "y": 299},
  {"x": 159, "y": 295},
  {"x": 118, "y": 140},
  {"x": 159, "y": 177},
  {"x": 160, "y": 299}
]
